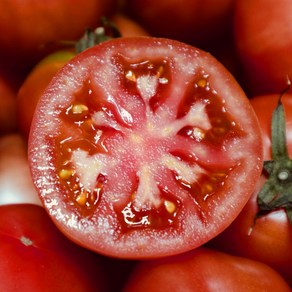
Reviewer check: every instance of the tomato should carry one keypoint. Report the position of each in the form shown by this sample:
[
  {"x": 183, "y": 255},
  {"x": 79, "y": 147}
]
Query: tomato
[
  {"x": 268, "y": 238},
  {"x": 35, "y": 256},
  {"x": 40, "y": 76},
  {"x": 144, "y": 147},
  {"x": 16, "y": 185},
  {"x": 204, "y": 270},
  {"x": 127, "y": 26},
  {"x": 32, "y": 29},
  {"x": 263, "y": 37},
  {"x": 193, "y": 21},
  {"x": 7, "y": 104}
]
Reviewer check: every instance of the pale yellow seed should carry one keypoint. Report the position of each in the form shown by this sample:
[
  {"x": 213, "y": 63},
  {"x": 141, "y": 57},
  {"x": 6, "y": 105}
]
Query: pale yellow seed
[
  {"x": 130, "y": 75},
  {"x": 202, "y": 83},
  {"x": 81, "y": 198},
  {"x": 65, "y": 174},
  {"x": 79, "y": 108},
  {"x": 169, "y": 206},
  {"x": 207, "y": 188},
  {"x": 159, "y": 71}
]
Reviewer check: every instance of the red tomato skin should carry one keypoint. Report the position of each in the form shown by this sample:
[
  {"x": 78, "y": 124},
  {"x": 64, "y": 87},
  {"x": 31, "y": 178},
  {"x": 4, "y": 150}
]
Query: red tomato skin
[
  {"x": 8, "y": 92},
  {"x": 269, "y": 238},
  {"x": 16, "y": 186},
  {"x": 204, "y": 270},
  {"x": 42, "y": 26},
  {"x": 144, "y": 249},
  {"x": 35, "y": 256},
  {"x": 191, "y": 21},
  {"x": 263, "y": 37}
]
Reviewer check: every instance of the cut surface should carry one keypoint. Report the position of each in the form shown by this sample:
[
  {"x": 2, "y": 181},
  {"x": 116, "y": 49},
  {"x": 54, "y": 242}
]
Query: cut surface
[{"x": 144, "y": 147}]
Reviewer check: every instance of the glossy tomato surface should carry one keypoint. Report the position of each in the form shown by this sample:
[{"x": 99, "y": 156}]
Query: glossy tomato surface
[
  {"x": 268, "y": 238},
  {"x": 8, "y": 94},
  {"x": 35, "y": 255},
  {"x": 33, "y": 28},
  {"x": 192, "y": 21},
  {"x": 16, "y": 186},
  {"x": 144, "y": 147},
  {"x": 263, "y": 37},
  {"x": 204, "y": 270}
]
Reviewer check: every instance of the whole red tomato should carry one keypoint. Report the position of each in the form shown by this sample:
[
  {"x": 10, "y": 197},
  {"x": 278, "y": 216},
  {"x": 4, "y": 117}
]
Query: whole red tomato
[
  {"x": 30, "y": 28},
  {"x": 141, "y": 147},
  {"x": 269, "y": 237},
  {"x": 204, "y": 270},
  {"x": 40, "y": 76},
  {"x": 263, "y": 37},
  {"x": 35, "y": 256},
  {"x": 193, "y": 21}
]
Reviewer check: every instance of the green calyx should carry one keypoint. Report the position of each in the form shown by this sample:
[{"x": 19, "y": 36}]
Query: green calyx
[
  {"x": 91, "y": 37},
  {"x": 276, "y": 193}
]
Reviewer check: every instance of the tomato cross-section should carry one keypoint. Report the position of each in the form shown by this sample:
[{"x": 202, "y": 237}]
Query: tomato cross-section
[{"x": 144, "y": 147}]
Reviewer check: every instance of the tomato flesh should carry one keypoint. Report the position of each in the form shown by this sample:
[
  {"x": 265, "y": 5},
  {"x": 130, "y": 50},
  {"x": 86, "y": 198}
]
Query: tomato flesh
[{"x": 137, "y": 153}]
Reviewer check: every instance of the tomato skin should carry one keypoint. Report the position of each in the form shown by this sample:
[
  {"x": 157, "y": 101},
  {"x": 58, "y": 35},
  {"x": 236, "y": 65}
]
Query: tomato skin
[
  {"x": 263, "y": 37},
  {"x": 16, "y": 186},
  {"x": 269, "y": 238},
  {"x": 57, "y": 115},
  {"x": 41, "y": 26},
  {"x": 191, "y": 21},
  {"x": 8, "y": 92},
  {"x": 204, "y": 270},
  {"x": 37, "y": 257}
]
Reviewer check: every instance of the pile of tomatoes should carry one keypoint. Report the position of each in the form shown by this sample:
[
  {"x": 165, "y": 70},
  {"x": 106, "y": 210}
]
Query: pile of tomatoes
[{"x": 145, "y": 145}]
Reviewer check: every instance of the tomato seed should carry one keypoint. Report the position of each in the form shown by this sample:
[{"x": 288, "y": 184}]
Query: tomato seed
[
  {"x": 169, "y": 206},
  {"x": 65, "y": 174}
]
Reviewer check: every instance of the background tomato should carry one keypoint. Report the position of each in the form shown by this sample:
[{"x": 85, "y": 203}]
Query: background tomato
[
  {"x": 191, "y": 21},
  {"x": 8, "y": 92},
  {"x": 204, "y": 270},
  {"x": 16, "y": 184},
  {"x": 269, "y": 238},
  {"x": 35, "y": 256},
  {"x": 33, "y": 28},
  {"x": 263, "y": 37}
]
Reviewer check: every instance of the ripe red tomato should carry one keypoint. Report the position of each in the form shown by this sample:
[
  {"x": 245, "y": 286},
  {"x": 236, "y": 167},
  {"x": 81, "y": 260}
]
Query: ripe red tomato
[
  {"x": 40, "y": 76},
  {"x": 35, "y": 256},
  {"x": 144, "y": 147},
  {"x": 193, "y": 21},
  {"x": 263, "y": 36},
  {"x": 16, "y": 184},
  {"x": 269, "y": 238},
  {"x": 33, "y": 28},
  {"x": 204, "y": 270},
  {"x": 8, "y": 93}
]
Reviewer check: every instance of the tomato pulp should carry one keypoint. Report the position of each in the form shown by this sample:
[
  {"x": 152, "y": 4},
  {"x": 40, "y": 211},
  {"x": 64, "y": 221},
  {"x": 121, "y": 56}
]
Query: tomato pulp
[{"x": 144, "y": 147}]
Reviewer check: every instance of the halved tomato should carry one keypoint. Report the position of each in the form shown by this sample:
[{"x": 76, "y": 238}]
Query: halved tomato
[{"x": 144, "y": 147}]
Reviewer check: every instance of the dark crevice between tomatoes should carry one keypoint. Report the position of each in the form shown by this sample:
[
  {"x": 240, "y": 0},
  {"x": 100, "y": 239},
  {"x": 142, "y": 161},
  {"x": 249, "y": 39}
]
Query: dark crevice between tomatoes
[{"x": 276, "y": 193}]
